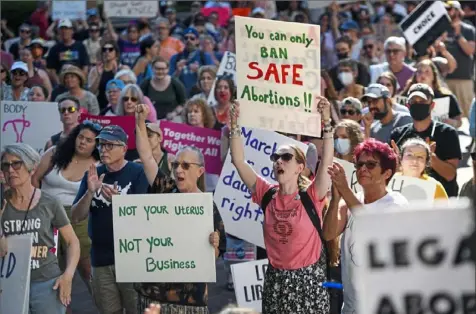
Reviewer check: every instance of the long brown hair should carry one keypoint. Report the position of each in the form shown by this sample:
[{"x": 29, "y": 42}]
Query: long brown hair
[
  {"x": 436, "y": 84},
  {"x": 207, "y": 113},
  {"x": 303, "y": 182}
]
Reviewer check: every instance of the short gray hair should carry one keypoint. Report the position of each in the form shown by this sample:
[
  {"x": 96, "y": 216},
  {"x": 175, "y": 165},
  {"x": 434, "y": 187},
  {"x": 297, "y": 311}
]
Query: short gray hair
[
  {"x": 198, "y": 152},
  {"x": 161, "y": 20},
  {"x": 27, "y": 154},
  {"x": 135, "y": 92},
  {"x": 399, "y": 41},
  {"x": 127, "y": 72}
]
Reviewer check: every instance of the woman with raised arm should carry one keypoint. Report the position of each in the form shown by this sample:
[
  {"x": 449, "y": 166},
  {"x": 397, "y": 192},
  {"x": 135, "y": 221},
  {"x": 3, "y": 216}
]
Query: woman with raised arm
[{"x": 292, "y": 231}]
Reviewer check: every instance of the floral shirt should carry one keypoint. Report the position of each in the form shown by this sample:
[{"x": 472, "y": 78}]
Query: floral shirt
[
  {"x": 189, "y": 294},
  {"x": 7, "y": 93}
]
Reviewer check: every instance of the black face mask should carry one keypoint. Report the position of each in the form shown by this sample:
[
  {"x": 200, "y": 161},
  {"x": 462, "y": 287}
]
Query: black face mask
[
  {"x": 420, "y": 112},
  {"x": 341, "y": 56}
]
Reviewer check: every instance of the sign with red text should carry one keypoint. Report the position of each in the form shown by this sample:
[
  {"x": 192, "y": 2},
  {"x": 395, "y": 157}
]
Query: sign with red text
[
  {"x": 227, "y": 68},
  {"x": 178, "y": 135},
  {"x": 242, "y": 217},
  {"x": 125, "y": 122},
  {"x": 248, "y": 280},
  {"x": 279, "y": 75},
  {"x": 32, "y": 123}
]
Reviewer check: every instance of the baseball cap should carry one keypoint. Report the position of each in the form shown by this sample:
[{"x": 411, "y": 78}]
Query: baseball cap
[
  {"x": 38, "y": 41},
  {"x": 352, "y": 101},
  {"x": 92, "y": 12},
  {"x": 154, "y": 127},
  {"x": 422, "y": 90},
  {"x": 375, "y": 91},
  {"x": 453, "y": 4},
  {"x": 257, "y": 11},
  {"x": 349, "y": 25},
  {"x": 191, "y": 30},
  {"x": 65, "y": 23},
  {"x": 114, "y": 84},
  {"x": 19, "y": 65},
  {"x": 113, "y": 133}
]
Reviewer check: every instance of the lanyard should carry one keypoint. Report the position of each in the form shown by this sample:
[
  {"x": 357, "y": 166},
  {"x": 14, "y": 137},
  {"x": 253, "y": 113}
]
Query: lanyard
[{"x": 23, "y": 225}]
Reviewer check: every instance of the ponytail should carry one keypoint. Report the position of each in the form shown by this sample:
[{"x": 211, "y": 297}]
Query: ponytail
[{"x": 303, "y": 182}]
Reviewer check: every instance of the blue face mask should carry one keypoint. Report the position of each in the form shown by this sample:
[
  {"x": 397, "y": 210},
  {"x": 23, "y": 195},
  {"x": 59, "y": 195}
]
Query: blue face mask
[{"x": 342, "y": 145}]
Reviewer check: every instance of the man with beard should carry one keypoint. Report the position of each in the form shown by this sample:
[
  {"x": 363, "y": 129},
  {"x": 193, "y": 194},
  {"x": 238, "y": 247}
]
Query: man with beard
[
  {"x": 443, "y": 138},
  {"x": 385, "y": 119}
]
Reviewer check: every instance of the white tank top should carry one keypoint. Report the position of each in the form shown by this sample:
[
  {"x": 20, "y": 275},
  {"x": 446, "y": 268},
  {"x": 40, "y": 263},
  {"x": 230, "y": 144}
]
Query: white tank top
[{"x": 55, "y": 184}]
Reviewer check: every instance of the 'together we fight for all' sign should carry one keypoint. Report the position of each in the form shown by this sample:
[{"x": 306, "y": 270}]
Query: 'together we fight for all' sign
[
  {"x": 164, "y": 237},
  {"x": 277, "y": 89}
]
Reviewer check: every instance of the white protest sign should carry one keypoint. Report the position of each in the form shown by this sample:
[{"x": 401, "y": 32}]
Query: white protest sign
[
  {"x": 350, "y": 174},
  {"x": 242, "y": 217},
  {"x": 442, "y": 108},
  {"x": 414, "y": 189},
  {"x": 73, "y": 10},
  {"x": 416, "y": 260},
  {"x": 149, "y": 240},
  {"x": 248, "y": 280},
  {"x": 227, "y": 68},
  {"x": 32, "y": 123},
  {"x": 15, "y": 275},
  {"x": 131, "y": 8},
  {"x": 276, "y": 85}
]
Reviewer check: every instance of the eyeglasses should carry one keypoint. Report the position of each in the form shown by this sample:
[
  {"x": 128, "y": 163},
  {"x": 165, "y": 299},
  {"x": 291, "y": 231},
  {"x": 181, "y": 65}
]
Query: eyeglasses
[
  {"x": 107, "y": 49},
  {"x": 18, "y": 72},
  {"x": 368, "y": 46},
  {"x": 370, "y": 165},
  {"x": 190, "y": 38},
  {"x": 185, "y": 165},
  {"x": 107, "y": 146},
  {"x": 392, "y": 51},
  {"x": 16, "y": 165},
  {"x": 284, "y": 157},
  {"x": 350, "y": 112},
  {"x": 94, "y": 125},
  {"x": 26, "y": 31},
  {"x": 133, "y": 99},
  {"x": 67, "y": 109}
]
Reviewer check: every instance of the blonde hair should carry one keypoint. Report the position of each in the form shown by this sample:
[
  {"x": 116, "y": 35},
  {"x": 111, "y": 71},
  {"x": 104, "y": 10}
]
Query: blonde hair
[{"x": 303, "y": 182}]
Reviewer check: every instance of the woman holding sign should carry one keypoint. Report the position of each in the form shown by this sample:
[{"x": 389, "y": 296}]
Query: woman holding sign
[
  {"x": 188, "y": 177},
  {"x": 292, "y": 224}
]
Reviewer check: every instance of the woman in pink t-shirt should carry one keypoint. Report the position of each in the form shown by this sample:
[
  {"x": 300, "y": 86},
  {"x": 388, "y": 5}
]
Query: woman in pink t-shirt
[{"x": 296, "y": 266}]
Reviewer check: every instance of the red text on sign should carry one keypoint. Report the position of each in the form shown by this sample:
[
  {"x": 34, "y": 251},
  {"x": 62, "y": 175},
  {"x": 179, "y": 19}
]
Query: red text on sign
[{"x": 279, "y": 73}]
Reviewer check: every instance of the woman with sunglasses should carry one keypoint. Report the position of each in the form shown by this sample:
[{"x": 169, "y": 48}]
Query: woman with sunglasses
[
  {"x": 17, "y": 91},
  {"x": 188, "y": 177},
  {"x": 68, "y": 108},
  {"x": 60, "y": 172},
  {"x": 30, "y": 210},
  {"x": 36, "y": 76},
  {"x": 297, "y": 263}
]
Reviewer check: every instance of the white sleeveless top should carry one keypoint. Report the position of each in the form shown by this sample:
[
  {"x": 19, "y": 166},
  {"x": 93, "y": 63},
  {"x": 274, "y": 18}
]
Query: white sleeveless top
[{"x": 55, "y": 184}]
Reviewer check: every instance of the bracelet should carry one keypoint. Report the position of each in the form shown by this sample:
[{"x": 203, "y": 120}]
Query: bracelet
[{"x": 235, "y": 132}]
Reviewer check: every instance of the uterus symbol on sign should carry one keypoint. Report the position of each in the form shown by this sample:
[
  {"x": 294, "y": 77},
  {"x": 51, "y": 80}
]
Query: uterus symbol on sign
[{"x": 24, "y": 124}]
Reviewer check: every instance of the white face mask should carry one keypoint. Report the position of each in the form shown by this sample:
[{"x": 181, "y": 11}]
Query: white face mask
[
  {"x": 346, "y": 78},
  {"x": 342, "y": 145}
]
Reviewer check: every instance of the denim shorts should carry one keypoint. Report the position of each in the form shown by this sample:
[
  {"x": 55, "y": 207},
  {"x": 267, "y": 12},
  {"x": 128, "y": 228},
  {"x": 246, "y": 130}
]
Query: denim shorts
[{"x": 43, "y": 299}]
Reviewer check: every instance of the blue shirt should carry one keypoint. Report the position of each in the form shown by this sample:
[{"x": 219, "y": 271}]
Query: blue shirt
[
  {"x": 187, "y": 77},
  {"x": 130, "y": 179},
  {"x": 472, "y": 119}
]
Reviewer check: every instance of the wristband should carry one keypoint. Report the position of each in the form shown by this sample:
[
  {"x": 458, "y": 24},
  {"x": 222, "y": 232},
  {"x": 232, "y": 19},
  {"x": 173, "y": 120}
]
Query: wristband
[{"x": 235, "y": 132}]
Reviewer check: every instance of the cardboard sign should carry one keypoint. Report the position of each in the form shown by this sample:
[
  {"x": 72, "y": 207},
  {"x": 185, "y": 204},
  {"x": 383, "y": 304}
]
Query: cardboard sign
[
  {"x": 73, "y": 10},
  {"x": 15, "y": 275},
  {"x": 128, "y": 123},
  {"x": 179, "y": 135},
  {"x": 163, "y": 237},
  {"x": 350, "y": 174},
  {"x": 248, "y": 279},
  {"x": 32, "y": 123},
  {"x": 227, "y": 68},
  {"x": 416, "y": 260},
  {"x": 442, "y": 108},
  {"x": 242, "y": 217},
  {"x": 137, "y": 9},
  {"x": 279, "y": 75},
  {"x": 414, "y": 189},
  {"x": 425, "y": 24}
]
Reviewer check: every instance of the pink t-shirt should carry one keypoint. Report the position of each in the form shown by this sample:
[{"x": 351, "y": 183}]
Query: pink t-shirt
[{"x": 291, "y": 240}]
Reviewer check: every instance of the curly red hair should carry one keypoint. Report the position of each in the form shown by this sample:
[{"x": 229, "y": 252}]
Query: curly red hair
[{"x": 387, "y": 158}]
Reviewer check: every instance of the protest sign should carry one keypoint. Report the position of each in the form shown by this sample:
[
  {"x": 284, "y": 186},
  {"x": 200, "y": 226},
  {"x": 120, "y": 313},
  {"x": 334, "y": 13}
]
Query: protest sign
[
  {"x": 241, "y": 216},
  {"x": 128, "y": 123},
  {"x": 442, "y": 108},
  {"x": 179, "y": 135},
  {"x": 425, "y": 25},
  {"x": 350, "y": 174},
  {"x": 73, "y": 10},
  {"x": 165, "y": 237},
  {"x": 227, "y": 68},
  {"x": 248, "y": 280},
  {"x": 131, "y": 8},
  {"x": 279, "y": 75},
  {"x": 416, "y": 260},
  {"x": 414, "y": 189},
  {"x": 402, "y": 100},
  {"x": 24, "y": 122},
  {"x": 15, "y": 275},
  {"x": 223, "y": 14}
]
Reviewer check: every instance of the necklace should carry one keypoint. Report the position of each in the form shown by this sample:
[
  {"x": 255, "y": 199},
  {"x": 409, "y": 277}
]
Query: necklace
[{"x": 23, "y": 225}]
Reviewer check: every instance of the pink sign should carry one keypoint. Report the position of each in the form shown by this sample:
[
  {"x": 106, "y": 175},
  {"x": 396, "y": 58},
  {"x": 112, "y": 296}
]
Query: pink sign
[
  {"x": 178, "y": 135},
  {"x": 223, "y": 14},
  {"x": 128, "y": 123}
]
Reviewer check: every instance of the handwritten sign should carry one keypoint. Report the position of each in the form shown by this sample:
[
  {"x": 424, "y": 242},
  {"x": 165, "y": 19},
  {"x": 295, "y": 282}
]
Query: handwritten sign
[
  {"x": 241, "y": 216},
  {"x": 131, "y": 8},
  {"x": 414, "y": 189},
  {"x": 420, "y": 261},
  {"x": 248, "y": 279},
  {"x": 227, "y": 68},
  {"x": 150, "y": 244},
  {"x": 179, "y": 135},
  {"x": 24, "y": 122},
  {"x": 125, "y": 122},
  {"x": 276, "y": 86},
  {"x": 402, "y": 100},
  {"x": 441, "y": 110},
  {"x": 73, "y": 10},
  {"x": 15, "y": 275}
]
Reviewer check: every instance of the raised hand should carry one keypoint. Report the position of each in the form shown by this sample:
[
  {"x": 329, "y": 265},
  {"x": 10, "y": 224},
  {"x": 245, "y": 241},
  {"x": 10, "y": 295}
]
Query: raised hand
[
  {"x": 94, "y": 182},
  {"x": 142, "y": 111},
  {"x": 152, "y": 309},
  {"x": 338, "y": 177},
  {"x": 323, "y": 107}
]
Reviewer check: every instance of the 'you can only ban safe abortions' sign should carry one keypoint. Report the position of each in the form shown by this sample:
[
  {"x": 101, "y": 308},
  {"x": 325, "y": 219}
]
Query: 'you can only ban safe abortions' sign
[
  {"x": 277, "y": 89},
  {"x": 164, "y": 237}
]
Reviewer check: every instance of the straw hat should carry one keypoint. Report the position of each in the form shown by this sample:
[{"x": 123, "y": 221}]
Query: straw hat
[{"x": 73, "y": 70}]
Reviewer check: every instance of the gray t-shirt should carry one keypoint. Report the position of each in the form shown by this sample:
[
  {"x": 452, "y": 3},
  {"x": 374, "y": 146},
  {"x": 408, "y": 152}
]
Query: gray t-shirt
[
  {"x": 40, "y": 221},
  {"x": 464, "y": 70},
  {"x": 382, "y": 132}
]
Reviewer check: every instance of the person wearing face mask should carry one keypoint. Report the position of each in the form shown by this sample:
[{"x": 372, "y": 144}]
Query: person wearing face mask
[
  {"x": 347, "y": 74},
  {"x": 343, "y": 48},
  {"x": 443, "y": 138},
  {"x": 347, "y": 136},
  {"x": 385, "y": 118}
]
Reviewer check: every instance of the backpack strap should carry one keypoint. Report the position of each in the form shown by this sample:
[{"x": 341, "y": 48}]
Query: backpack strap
[{"x": 267, "y": 197}]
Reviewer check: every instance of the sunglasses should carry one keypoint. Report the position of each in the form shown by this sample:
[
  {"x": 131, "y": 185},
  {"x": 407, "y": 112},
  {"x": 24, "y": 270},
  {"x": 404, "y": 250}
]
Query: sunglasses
[
  {"x": 107, "y": 49},
  {"x": 190, "y": 38},
  {"x": 185, "y": 165},
  {"x": 133, "y": 99},
  {"x": 18, "y": 72},
  {"x": 67, "y": 109},
  {"x": 370, "y": 165},
  {"x": 16, "y": 165},
  {"x": 368, "y": 46},
  {"x": 107, "y": 146},
  {"x": 392, "y": 51},
  {"x": 350, "y": 112},
  {"x": 26, "y": 31},
  {"x": 93, "y": 125},
  {"x": 284, "y": 157}
]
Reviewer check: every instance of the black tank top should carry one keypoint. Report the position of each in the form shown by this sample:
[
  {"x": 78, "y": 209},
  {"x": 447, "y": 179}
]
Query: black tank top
[{"x": 105, "y": 77}]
